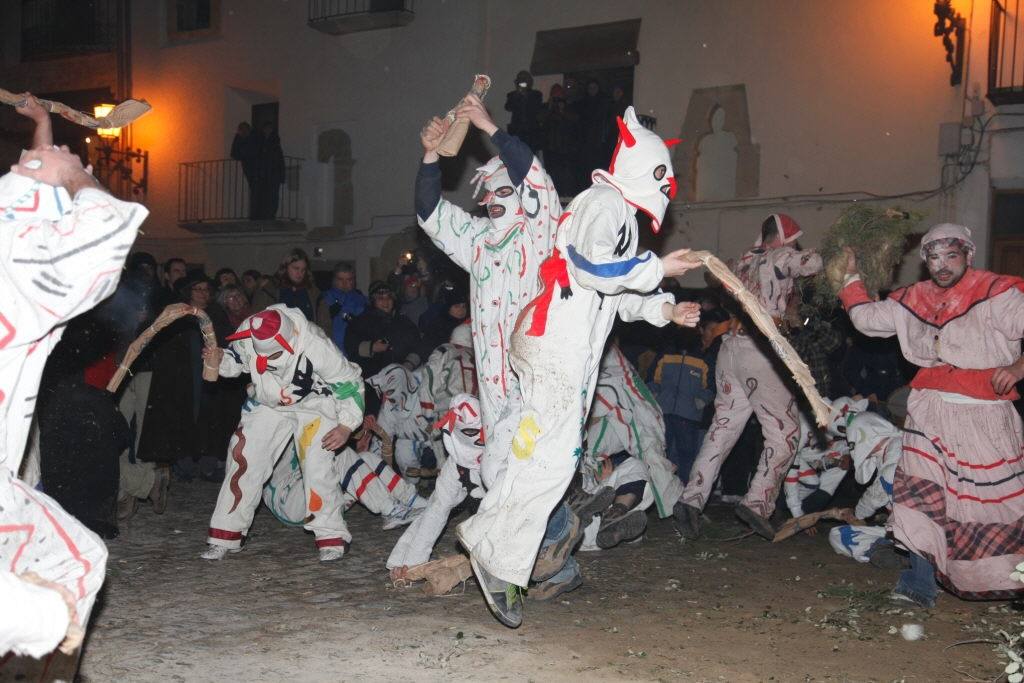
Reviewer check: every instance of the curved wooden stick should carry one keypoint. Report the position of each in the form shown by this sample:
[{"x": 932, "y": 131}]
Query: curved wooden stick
[
  {"x": 119, "y": 117},
  {"x": 794, "y": 526},
  {"x": 783, "y": 349},
  {"x": 168, "y": 316}
]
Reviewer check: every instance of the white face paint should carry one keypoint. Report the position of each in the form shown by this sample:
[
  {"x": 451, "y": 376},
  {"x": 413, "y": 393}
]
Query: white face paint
[
  {"x": 946, "y": 264},
  {"x": 462, "y": 432},
  {"x": 503, "y": 205}
]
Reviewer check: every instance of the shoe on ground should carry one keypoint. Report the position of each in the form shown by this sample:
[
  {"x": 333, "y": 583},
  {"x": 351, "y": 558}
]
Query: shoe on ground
[
  {"x": 401, "y": 515},
  {"x": 619, "y": 524},
  {"x": 906, "y": 598},
  {"x": 586, "y": 505},
  {"x": 126, "y": 507},
  {"x": 217, "y": 552},
  {"x": 504, "y": 599},
  {"x": 158, "y": 494},
  {"x": 761, "y": 526},
  {"x": 333, "y": 553},
  {"x": 885, "y": 556},
  {"x": 550, "y": 589},
  {"x": 552, "y": 558},
  {"x": 688, "y": 519}
]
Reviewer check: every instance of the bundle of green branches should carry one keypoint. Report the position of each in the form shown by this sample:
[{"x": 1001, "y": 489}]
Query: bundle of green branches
[{"x": 878, "y": 238}]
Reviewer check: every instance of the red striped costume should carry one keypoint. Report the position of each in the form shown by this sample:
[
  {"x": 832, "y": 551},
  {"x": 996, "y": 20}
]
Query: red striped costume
[{"x": 958, "y": 493}]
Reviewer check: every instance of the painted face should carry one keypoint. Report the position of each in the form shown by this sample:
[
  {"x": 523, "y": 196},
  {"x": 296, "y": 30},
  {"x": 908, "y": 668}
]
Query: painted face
[
  {"x": 296, "y": 271},
  {"x": 345, "y": 281},
  {"x": 462, "y": 432},
  {"x": 272, "y": 334},
  {"x": 946, "y": 264},
  {"x": 504, "y": 207}
]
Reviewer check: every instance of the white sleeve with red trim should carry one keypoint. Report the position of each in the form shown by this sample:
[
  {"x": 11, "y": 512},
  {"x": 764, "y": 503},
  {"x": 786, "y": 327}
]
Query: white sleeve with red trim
[
  {"x": 33, "y": 620},
  {"x": 418, "y": 541},
  {"x": 600, "y": 244},
  {"x": 58, "y": 268},
  {"x": 343, "y": 376},
  {"x": 454, "y": 231},
  {"x": 37, "y": 535}
]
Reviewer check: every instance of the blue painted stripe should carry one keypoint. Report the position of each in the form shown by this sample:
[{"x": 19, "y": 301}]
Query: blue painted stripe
[
  {"x": 610, "y": 269},
  {"x": 351, "y": 473}
]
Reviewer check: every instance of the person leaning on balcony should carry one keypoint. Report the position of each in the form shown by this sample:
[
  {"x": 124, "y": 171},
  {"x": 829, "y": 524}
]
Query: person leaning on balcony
[{"x": 293, "y": 286}]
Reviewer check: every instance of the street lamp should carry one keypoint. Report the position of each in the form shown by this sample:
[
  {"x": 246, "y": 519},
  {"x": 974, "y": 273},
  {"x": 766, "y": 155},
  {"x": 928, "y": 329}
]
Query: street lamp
[{"x": 99, "y": 111}]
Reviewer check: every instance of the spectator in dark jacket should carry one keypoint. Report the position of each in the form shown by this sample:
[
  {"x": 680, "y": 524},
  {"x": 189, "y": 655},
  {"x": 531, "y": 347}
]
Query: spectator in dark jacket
[
  {"x": 437, "y": 323},
  {"x": 381, "y": 335},
  {"x": 341, "y": 304},
  {"x": 293, "y": 286},
  {"x": 527, "y": 107}
]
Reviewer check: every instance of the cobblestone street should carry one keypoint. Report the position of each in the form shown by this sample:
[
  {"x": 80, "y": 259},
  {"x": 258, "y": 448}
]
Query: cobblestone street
[{"x": 734, "y": 610}]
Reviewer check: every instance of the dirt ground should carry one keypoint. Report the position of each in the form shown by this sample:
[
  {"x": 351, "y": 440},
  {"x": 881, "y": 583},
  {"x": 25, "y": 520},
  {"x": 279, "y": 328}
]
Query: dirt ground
[{"x": 720, "y": 609}]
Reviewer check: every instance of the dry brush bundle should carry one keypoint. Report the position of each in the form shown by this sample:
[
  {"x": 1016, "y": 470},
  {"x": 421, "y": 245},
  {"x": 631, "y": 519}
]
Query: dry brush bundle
[{"x": 878, "y": 238}]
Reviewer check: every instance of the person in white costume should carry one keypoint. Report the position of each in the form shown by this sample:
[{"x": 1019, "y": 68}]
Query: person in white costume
[
  {"x": 556, "y": 350},
  {"x": 877, "y": 446},
  {"x": 304, "y": 389},
  {"x": 64, "y": 242},
  {"x": 463, "y": 437},
  {"x": 363, "y": 476}
]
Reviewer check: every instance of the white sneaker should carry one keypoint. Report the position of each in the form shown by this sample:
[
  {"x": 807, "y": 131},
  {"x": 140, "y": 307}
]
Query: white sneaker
[
  {"x": 401, "y": 515},
  {"x": 419, "y": 501},
  {"x": 217, "y": 552},
  {"x": 332, "y": 553}
]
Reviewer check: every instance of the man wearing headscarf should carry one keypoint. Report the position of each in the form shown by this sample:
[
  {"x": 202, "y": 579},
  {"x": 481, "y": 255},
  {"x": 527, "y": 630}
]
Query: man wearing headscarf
[
  {"x": 958, "y": 492},
  {"x": 748, "y": 383},
  {"x": 304, "y": 389},
  {"x": 556, "y": 351}
]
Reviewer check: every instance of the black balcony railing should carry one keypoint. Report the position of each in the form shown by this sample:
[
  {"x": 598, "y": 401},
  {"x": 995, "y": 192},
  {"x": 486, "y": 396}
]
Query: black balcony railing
[
  {"x": 219, "y": 191},
  {"x": 1006, "y": 54},
  {"x": 122, "y": 171},
  {"x": 348, "y": 16},
  {"x": 59, "y": 28}
]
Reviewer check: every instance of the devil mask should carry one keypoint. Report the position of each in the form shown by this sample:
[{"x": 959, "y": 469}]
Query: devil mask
[
  {"x": 272, "y": 335},
  {"x": 641, "y": 169},
  {"x": 504, "y": 207},
  {"x": 462, "y": 431}
]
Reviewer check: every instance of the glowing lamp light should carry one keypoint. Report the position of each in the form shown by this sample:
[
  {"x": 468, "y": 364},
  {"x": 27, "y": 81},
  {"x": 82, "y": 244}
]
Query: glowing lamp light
[{"x": 99, "y": 111}]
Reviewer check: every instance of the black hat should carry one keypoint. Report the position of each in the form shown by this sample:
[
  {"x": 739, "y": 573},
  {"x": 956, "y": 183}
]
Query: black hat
[
  {"x": 140, "y": 258},
  {"x": 524, "y": 77},
  {"x": 380, "y": 287}
]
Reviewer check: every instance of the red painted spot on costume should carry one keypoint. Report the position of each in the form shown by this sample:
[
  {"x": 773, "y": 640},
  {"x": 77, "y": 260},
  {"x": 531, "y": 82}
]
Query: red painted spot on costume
[{"x": 316, "y": 503}]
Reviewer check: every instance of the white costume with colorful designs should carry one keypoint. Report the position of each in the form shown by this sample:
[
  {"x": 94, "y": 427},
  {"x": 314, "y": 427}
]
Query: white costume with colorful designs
[
  {"x": 302, "y": 394},
  {"x": 60, "y": 257},
  {"x": 593, "y": 277}
]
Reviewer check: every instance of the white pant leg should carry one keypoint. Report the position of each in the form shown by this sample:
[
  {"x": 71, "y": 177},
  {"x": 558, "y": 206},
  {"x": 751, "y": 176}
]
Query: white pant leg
[
  {"x": 732, "y": 410},
  {"x": 855, "y": 541},
  {"x": 254, "y": 448},
  {"x": 399, "y": 489},
  {"x": 360, "y": 480},
  {"x": 285, "y": 494},
  {"x": 325, "y": 501},
  {"x": 406, "y": 456},
  {"x": 416, "y": 543}
]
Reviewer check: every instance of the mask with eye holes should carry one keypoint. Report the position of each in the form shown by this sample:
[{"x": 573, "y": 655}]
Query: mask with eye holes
[
  {"x": 641, "y": 169},
  {"x": 462, "y": 432},
  {"x": 504, "y": 207}
]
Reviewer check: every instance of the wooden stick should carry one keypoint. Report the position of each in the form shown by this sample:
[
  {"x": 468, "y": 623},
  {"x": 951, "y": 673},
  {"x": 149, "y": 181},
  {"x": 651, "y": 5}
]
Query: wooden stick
[
  {"x": 168, "y": 316},
  {"x": 119, "y": 117},
  {"x": 794, "y": 526},
  {"x": 783, "y": 349}
]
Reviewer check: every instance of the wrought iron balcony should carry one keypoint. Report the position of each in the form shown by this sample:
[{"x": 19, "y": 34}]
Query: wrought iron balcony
[
  {"x": 1005, "y": 60},
  {"x": 348, "y": 16},
  {"x": 60, "y": 28},
  {"x": 220, "y": 196},
  {"x": 125, "y": 173}
]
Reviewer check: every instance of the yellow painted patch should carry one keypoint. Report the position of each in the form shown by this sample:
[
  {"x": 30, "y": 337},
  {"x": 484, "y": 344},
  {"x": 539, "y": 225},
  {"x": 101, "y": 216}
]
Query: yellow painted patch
[
  {"x": 308, "y": 432},
  {"x": 526, "y": 438},
  {"x": 315, "y": 502}
]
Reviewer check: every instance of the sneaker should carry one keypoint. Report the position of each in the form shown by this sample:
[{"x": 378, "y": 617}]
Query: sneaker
[
  {"x": 883, "y": 555},
  {"x": 549, "y": 589},
  {"x": 586, "y": 505},
  {"x": 401, "y": 515},
  {"x": 504, "y": 599},
  {"x": 688, "y": 520},
  {"x": 218, "y": 552},
  {"x": 126, "y": 507},
  {"x": 332, "y": 553},
  {"x": 552, "y": 558},
  {"x": 619, "y": 524},
  {"x": 909, "y": 598},
  {"x": 158, "y": 494},
  {"x": 761, "y": 526}
]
